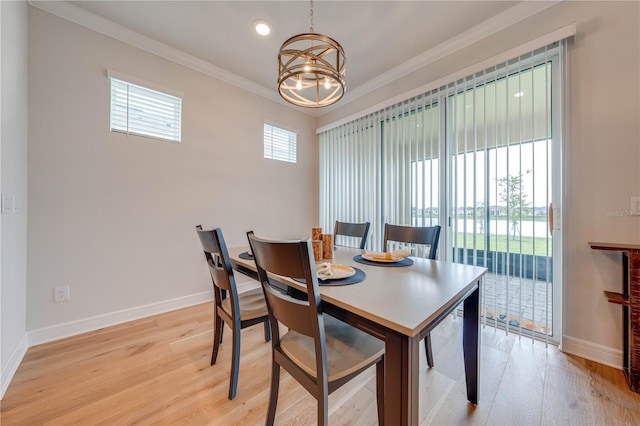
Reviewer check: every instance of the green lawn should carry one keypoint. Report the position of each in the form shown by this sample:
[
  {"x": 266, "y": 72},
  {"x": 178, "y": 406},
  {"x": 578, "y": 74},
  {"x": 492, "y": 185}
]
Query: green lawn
[
  {"x": 540, "y": 218},
  {"x": 499, "y": 242},
  {"x": 522, "y": 245}
]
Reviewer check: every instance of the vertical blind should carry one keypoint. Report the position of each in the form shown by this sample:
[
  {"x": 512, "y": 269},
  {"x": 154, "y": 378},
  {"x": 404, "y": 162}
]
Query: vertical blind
[
  {"x": 474, "y": 156},
  {"x": 350, "y": 176},
  {"x": 499, "y": 138},
  {"x": 383, "y": 168}
]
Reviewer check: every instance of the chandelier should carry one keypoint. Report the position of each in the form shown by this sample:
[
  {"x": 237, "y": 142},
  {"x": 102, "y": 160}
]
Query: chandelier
[{"x": 311, "y": 69}]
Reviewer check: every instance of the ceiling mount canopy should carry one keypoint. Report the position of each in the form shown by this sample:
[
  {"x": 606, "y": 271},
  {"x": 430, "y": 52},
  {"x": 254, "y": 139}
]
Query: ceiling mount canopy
[{"x": 311, "y": 69}]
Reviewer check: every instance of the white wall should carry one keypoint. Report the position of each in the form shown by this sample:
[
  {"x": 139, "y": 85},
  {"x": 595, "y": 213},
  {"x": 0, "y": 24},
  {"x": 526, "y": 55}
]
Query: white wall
[
  {"x": 602, "y": 155},
  {"x": 113, "y": 216},
  {"x": 13, "y": 183}
]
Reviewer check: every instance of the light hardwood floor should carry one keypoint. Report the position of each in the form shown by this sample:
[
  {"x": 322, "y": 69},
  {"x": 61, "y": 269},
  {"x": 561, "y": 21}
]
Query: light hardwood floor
[{"x": 156, "y": 371}]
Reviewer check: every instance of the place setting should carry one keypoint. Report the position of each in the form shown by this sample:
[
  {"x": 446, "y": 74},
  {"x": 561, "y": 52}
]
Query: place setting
[
  {"x": 395, "y": 258},
  {"x": 328, "y": 273},
  {"x": 246, "y": 255}
]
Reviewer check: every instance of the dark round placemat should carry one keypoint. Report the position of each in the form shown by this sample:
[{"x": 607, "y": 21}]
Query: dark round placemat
[
  {"x": 245, "y": 255},
  {"x": 404, "y": 262},
  {"x": 359, "y": 276}
]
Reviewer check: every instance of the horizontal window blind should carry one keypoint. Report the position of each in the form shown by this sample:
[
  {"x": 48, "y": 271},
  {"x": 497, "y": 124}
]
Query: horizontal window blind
[
  {"x": 145, "y": 112},
  {"x": 280, "y": 144}
]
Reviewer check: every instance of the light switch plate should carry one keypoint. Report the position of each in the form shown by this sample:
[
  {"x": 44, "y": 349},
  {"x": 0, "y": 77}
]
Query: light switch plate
[
  {"x": 634, "y": 209},
  {"x": 8, "y": 203}
]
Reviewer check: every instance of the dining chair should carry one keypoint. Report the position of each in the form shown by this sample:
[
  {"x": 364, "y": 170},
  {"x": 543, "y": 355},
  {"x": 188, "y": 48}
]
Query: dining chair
[
  {"x": 321, "y": 352},
  {"x": 239, "y": 310},
  {"x": 419, "y": 237},
  {"x": 357, "y": 230}
]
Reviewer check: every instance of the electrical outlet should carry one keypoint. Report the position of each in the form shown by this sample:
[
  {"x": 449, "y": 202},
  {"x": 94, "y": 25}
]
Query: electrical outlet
[{"x": 61, "y": 294}]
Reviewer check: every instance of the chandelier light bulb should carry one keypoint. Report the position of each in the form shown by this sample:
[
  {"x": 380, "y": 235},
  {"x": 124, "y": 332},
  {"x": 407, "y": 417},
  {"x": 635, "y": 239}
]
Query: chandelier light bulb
[
  {"x": 327, "y": 83},
  {"x": 299, "y": 84}
]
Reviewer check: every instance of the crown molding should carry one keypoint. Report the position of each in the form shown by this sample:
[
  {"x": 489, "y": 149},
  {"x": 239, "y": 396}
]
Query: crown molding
[
  {"x": 531, "y": 45},
  {"x": 493, "y": 25},
  {"x": 509, "y": 17},
  {"x": 101, "y": 25}
]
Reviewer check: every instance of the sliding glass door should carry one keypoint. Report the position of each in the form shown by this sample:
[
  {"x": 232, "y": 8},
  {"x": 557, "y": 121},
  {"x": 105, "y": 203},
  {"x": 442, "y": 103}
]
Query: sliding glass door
[
  {"x": 480, "y": 157},
  {"x": 501, "y": 144}
]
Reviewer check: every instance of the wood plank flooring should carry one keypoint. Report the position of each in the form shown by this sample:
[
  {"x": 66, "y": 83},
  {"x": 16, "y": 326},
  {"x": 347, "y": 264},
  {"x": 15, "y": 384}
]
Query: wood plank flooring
[{"x": 156, "y": 371}]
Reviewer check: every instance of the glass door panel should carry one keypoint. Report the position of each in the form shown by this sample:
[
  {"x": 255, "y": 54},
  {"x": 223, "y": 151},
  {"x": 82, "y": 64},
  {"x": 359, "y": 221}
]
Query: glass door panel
[{"x": 499, "y": 136}]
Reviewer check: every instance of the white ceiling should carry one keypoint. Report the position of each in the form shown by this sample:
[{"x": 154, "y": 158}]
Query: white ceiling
[{"x": 383, "y": 40}]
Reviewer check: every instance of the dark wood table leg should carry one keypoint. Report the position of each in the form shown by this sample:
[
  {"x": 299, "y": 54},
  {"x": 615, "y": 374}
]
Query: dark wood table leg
[
  {"x": 402, "y": 373},
  {"x": 471, "y": 344}
]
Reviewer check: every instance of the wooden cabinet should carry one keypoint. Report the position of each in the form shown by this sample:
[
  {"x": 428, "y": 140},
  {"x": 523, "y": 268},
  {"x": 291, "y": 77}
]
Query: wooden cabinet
[{"x": 630, "y": 301}]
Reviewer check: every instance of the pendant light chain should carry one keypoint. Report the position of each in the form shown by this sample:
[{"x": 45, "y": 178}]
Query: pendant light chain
[
  {"x": 311, "y": 17},
  {"x": 311, "y": 69}
]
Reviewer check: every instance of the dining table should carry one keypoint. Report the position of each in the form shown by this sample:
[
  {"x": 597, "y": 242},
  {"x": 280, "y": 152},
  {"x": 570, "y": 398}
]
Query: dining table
[{"x": 399, "y": 305}]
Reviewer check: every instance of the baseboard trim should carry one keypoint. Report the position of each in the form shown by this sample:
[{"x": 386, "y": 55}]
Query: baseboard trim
[
  {"x": 72, "y": 328},
  {"x": 12, "y": 365},
  {"x": 592, "y": 351}
]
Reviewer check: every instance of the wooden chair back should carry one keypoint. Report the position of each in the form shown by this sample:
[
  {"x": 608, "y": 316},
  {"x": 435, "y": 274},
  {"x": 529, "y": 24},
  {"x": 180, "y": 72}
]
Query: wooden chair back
[
  {"x": 239, "y": 311},
  {"x": 217, "y": 255},
  {"x": 422, "y": 235},
  {"x": 302, "y": 350},
  {"x": 357, "y": 230},
  {"x": 292, "y": 259}
]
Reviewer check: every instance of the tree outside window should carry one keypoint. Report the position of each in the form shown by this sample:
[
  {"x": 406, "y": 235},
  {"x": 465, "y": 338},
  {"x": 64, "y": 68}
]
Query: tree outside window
[{"x": 511, "y": 193}]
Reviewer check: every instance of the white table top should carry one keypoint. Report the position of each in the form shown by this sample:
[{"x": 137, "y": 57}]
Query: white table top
[{"x": 404, "y": 299}]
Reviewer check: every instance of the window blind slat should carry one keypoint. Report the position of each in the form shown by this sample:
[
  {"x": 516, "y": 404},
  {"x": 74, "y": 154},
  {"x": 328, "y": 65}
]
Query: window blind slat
[
  {"x": 280, "y": 144},
  {"x": 145, "y": 112}
]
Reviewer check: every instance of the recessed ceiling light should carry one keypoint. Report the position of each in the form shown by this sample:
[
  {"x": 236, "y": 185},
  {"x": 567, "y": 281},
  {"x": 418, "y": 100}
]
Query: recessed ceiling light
[
  {"x": 262, "y": 27},
  {"x": 519, "y": 94}
]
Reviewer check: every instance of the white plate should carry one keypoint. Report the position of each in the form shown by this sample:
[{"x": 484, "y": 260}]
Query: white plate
[
  {"x": 340, "y": 271},
  {"x": 382, "y": 257}
]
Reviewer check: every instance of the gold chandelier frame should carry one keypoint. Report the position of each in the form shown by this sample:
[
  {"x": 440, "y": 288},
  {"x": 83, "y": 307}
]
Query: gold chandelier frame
[{"x": 311, "y": 70}]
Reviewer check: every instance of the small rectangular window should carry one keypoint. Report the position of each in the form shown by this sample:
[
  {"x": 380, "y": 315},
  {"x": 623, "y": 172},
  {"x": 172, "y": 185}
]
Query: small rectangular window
[
  {"x": 141, "y": 111},
  {"x": 280, "y": 144}
]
